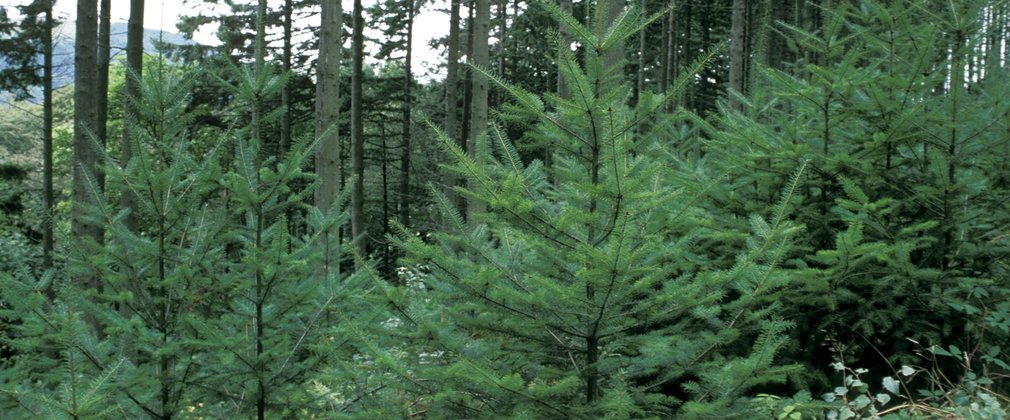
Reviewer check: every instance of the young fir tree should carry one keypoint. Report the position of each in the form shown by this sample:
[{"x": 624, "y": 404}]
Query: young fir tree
[
  {"x": 583, "y": 298},
  {"x": 212, "y": 303},
  {"x": 57, "y": 369},
  {"x": 907, "y": 188}
]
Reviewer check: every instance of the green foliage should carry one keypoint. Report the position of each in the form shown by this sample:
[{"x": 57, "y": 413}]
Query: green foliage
[
  {"x": 580, "y": 297},
  {"x": 903, "y": 204}
]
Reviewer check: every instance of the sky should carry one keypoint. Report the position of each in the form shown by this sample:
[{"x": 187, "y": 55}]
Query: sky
[{"x": 163, "y": 15}]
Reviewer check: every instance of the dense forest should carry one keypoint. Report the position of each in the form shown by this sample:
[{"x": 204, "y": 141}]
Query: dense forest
[{"x": 586, "y": 209}]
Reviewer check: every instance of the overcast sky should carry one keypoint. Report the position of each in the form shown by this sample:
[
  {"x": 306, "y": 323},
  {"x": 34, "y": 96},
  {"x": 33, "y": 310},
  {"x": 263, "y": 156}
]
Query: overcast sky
[{"x": 163, "y": 15}]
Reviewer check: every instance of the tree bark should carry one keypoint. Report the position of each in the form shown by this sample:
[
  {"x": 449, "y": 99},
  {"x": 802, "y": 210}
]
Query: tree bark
[
  {"x": 327, "y": 127},
  {"x": 467, "y": 82},
  {"x": 737, "y": 60},
  {"x": 285, "y": 135},
  {"x": 260, "y": 283},
  {"x": 566, "y": 39},
  {"x": 452, "y": 96},
  {"x": 357, "y": 134},
  {"x": 134, "y": 76},
  {"x": 85, "y": 171},
  {"x": 502, "y": 18},
  {"x": 102, "y": 100},
  {"x": 408, "y": 81},
  {"x": 479, "y": 105},
  {"x": 47, "y": 139},
  {"x": 640, "y": 71}
]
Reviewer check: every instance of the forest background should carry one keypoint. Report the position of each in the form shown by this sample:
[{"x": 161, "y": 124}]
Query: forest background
[{"x": 744, "y": 209}]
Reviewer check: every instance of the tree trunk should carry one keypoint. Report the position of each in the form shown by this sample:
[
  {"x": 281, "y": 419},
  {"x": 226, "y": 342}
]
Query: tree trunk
[
  {"x": 134, "y": 76},
  {"x": 327, "y": 125},
  {"x": 452, "y": 96},
  {"x": 285, "y": 137},
  {"x": 102, "y": 100},
  {"x": 640, "y": 71},
  {"x": 737, "y": 59},
  {"x": 408, "y": 80},
  {"x": 664, "y": 52},
  {"x": 85, "y": 168},
  {"x": 357, "y": 134},
  {"x": 566, "y": 39},
  {"x": 478, "y": 113},
  {"x": 47, "y": 139},
  {"x": 467, "y": 82},
  {"x": 260, "y": 283},
  {"x": 502, "y": 19}
]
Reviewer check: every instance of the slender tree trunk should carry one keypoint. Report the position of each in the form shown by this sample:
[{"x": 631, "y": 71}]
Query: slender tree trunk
[
  {"x": 408, "y": 81},
  {"x": 502, "y": 19},
  {"x": 327, "y": 126},
  {"x": 478, "y": 113},
  {"x": 611, "y": 60},
  {"x": 387, "y": 260},
  {"x": 85, "y": 168},
  {"x": 102, "y": 100},
  {"x": 562, "y": 87},
  {"x": 285, "y": 137},
  {"x": 737, "y": 60},
  {"x": 664, "y": 54},
  {"x": 566, "y": 39},
  {"x": 134, "y": 75},
  {"x": 47, "y": 139},
  {"x": 452, "y": 96},
  {"x": 261, "y": 284},
  {"x": 468, "y": 80},
  {"x": 357, "y": 134},
  {"x": 640, "y": 71}
]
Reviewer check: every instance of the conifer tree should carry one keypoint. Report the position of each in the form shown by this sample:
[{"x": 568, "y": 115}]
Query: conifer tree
[
  {"x": 884, "y": 124},
  {"x": 584, "y": 299}
]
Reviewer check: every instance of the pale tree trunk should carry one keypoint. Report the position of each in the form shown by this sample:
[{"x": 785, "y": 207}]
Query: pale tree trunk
[
  {"x": 478, "y": 112},
  {"x": 134, "y": 75},
  {"x": 357, "y": 134},
  {"x": 327, "y": 126},
  {"x": 85, "y": 172},
  {"x": 737, "y": 58},
  {"x": 408, "y": 81}
]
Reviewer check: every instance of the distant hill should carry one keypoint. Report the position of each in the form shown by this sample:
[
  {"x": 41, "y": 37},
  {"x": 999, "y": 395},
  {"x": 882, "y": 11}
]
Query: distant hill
[{"x": 63, "y": 49}]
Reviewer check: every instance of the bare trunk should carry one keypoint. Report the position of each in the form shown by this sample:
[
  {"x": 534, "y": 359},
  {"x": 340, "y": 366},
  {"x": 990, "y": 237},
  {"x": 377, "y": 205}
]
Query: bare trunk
[
  {"x": 327, "y": 125},
  {"x": 478, "y": 113},
  {"x": 357, "y": 134},
  {"x": 85, "y": 168},
  {"x": 737, "y": 59},
  {"x": 134, "y": 75},
  {"x": 47, "y": 139},
  {"x": 452, "y": 95},
  {"x": 285, "y": 137},
  {"x": 408, "y": 81},
  {"x": 102, "y": 100}
]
